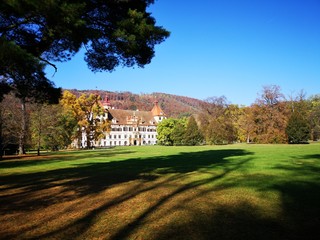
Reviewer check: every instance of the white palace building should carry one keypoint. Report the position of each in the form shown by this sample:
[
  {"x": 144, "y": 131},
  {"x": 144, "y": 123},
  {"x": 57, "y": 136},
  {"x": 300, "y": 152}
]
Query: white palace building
[{"x": 129, "y": 128}]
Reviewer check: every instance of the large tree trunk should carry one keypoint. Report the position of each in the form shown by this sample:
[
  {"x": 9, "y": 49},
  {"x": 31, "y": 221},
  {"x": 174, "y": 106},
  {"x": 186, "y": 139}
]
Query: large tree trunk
[
  {"x": 88, "y": 133},
  {"x": 79, "y": 138},
  {"x": 23, "y": 132},
  {"x": 248, "y": 138},
  {"x": 1, "y": 141},
  {"x": 39, "y": 109}
]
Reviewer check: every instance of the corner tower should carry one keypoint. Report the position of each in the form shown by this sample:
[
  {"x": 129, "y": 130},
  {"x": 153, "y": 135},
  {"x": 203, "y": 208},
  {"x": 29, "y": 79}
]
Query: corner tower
[{"x": 157, "y": 112}]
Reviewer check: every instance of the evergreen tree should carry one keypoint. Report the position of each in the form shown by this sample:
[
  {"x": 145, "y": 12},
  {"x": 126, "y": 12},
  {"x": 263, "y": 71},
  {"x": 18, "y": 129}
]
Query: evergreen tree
[
  {"x": 193, "y": 135},
  {"x": 297, "y": 129},
  {"x": 314, "y": 117},
  {"x": 179, "y": 131}
]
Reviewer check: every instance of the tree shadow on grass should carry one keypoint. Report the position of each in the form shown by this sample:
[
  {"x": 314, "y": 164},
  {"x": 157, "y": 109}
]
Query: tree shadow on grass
[
  {"x": 239, "y": 222},
  {"x": 236, "y": 220},
  {"x": 55, "y": 157},
  {"x": 91, "y": 179},
  {"x": 299, "y": 216},
  {"x": 301, "y": 197}
]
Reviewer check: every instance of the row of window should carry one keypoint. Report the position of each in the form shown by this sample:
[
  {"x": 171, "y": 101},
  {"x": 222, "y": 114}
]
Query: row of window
[
  {"x": 125, "y": 143},
  {"x": 130, "y": 129},
  {"x": 126, "y": 136}
]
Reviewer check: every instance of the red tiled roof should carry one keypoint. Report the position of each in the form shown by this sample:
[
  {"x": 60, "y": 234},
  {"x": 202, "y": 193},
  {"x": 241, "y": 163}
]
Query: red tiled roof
[
  {"x": 132, "y": 117},
  {"x": 156, "y": 110}
]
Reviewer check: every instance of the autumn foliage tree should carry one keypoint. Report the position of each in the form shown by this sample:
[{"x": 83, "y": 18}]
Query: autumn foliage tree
[
  {"x": 10, "y": 118},
  {"x": 270, "y": 113},
  {"x": 216, "y": 121},
  {"x": 52, "y": 128},
  {"x": 246, "y": 124},
  {"x": 88, "y": 111}
]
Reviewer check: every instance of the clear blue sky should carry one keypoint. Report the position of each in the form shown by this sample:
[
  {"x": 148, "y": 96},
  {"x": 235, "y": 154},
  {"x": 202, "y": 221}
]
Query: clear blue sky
[{"x": 219, "y": 47}]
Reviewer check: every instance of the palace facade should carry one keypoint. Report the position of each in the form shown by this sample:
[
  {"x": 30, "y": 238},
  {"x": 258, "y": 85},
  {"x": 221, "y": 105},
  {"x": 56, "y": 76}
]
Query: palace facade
[{"x": 129, "y": 127}]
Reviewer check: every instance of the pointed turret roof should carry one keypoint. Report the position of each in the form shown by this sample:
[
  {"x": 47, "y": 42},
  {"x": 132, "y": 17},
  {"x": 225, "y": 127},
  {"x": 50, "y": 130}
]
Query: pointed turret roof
[
  {"x": 156, "y": 110},
  {"x": 106, "y": 103}
]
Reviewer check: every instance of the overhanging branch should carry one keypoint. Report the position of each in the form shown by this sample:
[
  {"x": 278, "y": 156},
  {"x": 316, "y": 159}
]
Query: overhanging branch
[{"x": 51, "y": 64}]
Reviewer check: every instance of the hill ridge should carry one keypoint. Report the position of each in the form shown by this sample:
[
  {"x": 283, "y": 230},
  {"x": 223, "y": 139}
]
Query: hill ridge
[{"x": 173, "y": 105}]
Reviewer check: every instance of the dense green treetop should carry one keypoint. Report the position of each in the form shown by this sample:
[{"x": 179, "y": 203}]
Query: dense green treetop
[
  {"x": 113, "y": 32},
  {"x": 192, "y": 134}
]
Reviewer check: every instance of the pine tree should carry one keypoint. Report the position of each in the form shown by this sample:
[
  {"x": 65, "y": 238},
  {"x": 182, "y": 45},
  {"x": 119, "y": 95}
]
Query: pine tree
[
  {"x": 192, "y": 135},
  {"x": 297, "y": 129}
]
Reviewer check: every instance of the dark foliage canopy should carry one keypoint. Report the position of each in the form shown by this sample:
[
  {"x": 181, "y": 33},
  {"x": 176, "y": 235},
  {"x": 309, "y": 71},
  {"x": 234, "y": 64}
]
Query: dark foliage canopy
[
  {"x": 193, "y": 135},
  {"x": 24, "y": 74},
  {"x": 297, "y": 129},
  {"x": 114, "y": 32}
]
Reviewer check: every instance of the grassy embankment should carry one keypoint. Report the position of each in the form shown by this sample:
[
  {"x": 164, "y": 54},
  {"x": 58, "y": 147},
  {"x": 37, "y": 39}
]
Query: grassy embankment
[{"x": 207, "y": 192}]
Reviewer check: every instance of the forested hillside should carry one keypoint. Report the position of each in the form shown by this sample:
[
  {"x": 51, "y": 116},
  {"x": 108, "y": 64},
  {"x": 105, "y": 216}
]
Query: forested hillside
[{"x": 172, "y": 105}]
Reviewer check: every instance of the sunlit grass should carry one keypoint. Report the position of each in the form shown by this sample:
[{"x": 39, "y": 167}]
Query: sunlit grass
[{"x": 207, "y": 192}]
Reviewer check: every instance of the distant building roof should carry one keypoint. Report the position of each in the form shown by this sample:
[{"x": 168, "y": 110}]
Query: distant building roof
[
  {"x": 156, "y": 110},
  {"x": 119, "y": 116}
]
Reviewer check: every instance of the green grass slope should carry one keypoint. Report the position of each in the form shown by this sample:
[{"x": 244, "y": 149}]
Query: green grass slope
[{"x": 205, "y": 192}]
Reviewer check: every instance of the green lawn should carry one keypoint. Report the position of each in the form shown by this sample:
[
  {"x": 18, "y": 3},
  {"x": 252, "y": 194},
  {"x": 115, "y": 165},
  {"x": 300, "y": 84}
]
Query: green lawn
[{"x": 206, "y": 192}]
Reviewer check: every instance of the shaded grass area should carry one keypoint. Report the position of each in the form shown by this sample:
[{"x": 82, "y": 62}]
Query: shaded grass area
[{"x": 225, "y": 192}]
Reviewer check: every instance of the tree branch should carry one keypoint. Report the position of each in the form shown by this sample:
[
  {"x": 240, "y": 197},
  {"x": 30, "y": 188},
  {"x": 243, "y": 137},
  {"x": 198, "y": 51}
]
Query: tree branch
[{"x": 51, "y": 64}]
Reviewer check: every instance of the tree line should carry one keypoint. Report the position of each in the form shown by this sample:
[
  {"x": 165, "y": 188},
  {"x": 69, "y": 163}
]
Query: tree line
[
  {"x": 51, "y": 126},
  {"x": 272, "y": 118}
]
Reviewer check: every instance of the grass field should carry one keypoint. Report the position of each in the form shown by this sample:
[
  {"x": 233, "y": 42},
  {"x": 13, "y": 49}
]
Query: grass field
[{"x": 207, "y": 192}]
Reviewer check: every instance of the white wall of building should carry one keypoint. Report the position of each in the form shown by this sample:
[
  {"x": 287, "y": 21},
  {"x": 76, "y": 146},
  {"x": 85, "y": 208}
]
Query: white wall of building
[{"x": 127, "y": 135}]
